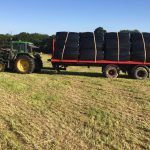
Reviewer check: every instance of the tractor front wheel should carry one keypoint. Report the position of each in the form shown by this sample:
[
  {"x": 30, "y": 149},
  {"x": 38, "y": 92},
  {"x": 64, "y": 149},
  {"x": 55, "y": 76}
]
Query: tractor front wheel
[{"x": 24, "y": 64}]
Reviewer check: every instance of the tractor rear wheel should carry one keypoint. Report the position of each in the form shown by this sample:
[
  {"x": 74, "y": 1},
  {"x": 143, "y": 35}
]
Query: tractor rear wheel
[
  {"x": 24, "y": 64},
  {"x": 2, "y": 66}
]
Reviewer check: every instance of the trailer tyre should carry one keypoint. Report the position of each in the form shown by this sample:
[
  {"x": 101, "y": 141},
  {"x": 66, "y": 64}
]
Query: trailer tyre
[
  {"x": 24, "y": 64},
  {"x": 140, "y": 73},
  {"x": 111, "y": 71},
  {"x": 2, "y": 66}
]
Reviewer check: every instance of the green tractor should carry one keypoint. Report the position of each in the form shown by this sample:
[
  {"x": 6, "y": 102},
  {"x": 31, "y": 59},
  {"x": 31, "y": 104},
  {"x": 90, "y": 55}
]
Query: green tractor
[{"x": 21, "y": 57}]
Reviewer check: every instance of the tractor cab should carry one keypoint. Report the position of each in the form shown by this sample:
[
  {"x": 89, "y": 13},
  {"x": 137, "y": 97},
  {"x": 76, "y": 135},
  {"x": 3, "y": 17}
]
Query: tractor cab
[{"x": 24, "y": 47}]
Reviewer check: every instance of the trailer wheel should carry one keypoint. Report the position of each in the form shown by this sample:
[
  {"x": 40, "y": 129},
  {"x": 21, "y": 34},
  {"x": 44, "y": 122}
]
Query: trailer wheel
[
  {"x": 140, "y": 73},
  {"x": 2, "y": 66},
  {"x": 111, "y": 71}
]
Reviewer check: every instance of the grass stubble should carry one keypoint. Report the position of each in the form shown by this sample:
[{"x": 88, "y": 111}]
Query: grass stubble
[{"x": 73, "y": 110}]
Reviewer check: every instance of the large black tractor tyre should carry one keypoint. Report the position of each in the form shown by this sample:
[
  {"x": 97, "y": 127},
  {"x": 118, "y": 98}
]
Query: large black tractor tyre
[
  {"x": 140, "y": 73},
  {"x": 111, "y": 71},
  {"x": 38, "y": 65},
  {"x": 24, "y": 64},
  {"x": 2, "y": 66}
]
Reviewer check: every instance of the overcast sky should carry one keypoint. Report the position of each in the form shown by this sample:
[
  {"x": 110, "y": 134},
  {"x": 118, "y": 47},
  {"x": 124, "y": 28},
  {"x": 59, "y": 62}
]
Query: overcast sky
[{"x": 50, "y": 16}]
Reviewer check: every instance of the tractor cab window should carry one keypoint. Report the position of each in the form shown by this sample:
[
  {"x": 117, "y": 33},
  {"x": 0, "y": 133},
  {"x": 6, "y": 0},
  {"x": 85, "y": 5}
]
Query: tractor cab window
[{"x": 19, "y": 47}]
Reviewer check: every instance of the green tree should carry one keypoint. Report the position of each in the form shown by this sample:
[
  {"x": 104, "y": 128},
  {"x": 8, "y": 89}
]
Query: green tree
[
  {"x": 130, "y": 31},
  {"x": 5, "y": 40},
  {"x": 100, "y": 30},
  {"x": 43, "y": 41}
]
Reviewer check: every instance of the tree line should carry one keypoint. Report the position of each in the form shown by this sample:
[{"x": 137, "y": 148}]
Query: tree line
[
  {"x": 102, "y": 30},
  {"x": 43, "y": 41}
]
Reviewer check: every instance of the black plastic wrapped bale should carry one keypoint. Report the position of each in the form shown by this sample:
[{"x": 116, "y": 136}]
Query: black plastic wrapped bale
[
  {"x": 140, "y": 48},
  {"x": 91, "y": 46},
  {"x": 117, "y": 46},
  {"x": 67, "y": 46}
]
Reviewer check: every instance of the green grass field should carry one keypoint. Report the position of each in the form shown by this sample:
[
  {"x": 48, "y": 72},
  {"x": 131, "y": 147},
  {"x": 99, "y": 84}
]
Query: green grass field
[{"x": 74, "y": 110}]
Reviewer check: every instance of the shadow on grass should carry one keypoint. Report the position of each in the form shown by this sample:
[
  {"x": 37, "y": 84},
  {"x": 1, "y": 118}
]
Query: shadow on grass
[
  {"x": 86, "y": 74},
  {"x": 145, "y": 129},
  {"x": 74, "y": 73}
]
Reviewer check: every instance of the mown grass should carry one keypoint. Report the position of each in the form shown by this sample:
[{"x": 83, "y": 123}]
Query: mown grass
[{"x": 77, "y": 109}]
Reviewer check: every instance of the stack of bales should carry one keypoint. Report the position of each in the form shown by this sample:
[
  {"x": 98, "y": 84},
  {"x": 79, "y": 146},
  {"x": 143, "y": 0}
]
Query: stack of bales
[
  {"x": 67, "y": 45},
  {"x": 140, "y": 47},
  {"x": 117, "y": 46},
  {"x": 112, "y": 46},
  {"x": 91, "y": 46}
]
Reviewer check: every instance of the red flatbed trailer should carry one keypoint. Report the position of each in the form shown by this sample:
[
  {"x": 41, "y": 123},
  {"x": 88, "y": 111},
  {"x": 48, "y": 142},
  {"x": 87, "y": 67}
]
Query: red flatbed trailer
[
  {"x": 100, "y": 62},
  {"x": 111, "y": 69}
]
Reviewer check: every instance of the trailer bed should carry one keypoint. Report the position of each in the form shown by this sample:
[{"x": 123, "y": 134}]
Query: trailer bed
[{"x": 100, "y": 62}]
